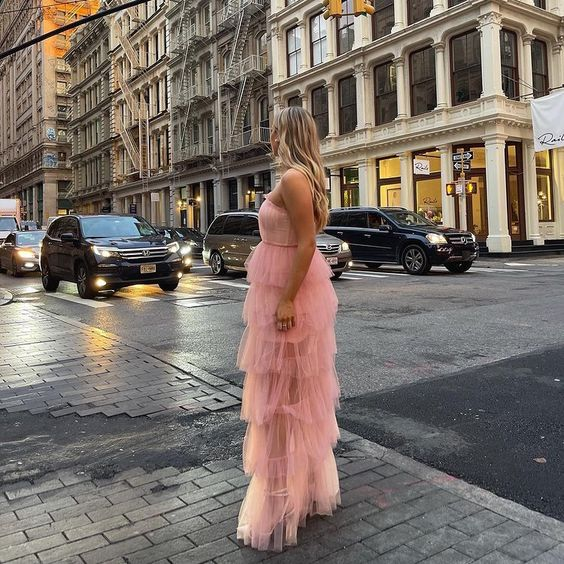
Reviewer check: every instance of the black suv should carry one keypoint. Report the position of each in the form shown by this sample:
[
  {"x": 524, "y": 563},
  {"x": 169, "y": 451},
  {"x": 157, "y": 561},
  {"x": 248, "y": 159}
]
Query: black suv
[
  {"x": 108, "y": 252},
  {"x": 400, "y": 236}
]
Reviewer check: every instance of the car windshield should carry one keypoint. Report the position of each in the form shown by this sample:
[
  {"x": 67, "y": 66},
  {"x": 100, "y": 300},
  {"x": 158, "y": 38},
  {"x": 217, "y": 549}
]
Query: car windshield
[
  {"x": 29, "y": 238},
  {"x": 115, "y": 226},
  {"x": 409, "y": 218},
  {"x": 187, "y": 232},
  {"x": 7, "y": 223}
]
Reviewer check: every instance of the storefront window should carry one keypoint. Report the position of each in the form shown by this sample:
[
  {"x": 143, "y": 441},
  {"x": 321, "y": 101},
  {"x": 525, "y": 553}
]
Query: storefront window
[
  {"x": 429, "y": 199},
  {"x": 389, "y": 182},
  {"x": 544, "y": 186},
  {"x": 389, "y": 168},
  {"x": 349, "y": 188}
]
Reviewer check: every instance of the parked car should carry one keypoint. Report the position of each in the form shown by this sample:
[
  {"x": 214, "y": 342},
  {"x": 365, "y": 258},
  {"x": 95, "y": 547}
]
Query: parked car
[
  {"x": 399, "y": 236},
  {"x": 8, "y": 224},
  {"x": 30, "y": 225},
  {"x": 20, "y": 252},
  {"x": 185, "y": 248},
  {"x": 193, "y": 237},
  {"x": 108, "y": 252},
  {"x": 232, "y": 236}
]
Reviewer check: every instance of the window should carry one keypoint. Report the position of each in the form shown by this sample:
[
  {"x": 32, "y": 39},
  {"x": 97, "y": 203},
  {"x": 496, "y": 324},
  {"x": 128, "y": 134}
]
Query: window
[
  {"x": 233, "y": 225},
  {"x": 428, "y": 196},
  {"x": 208, "y": 76},
  {"x": 383, "y": 19},
  {"x": 207, "y": 19},
  {"x": 385, "y": 89},
  {"x": 540, "y": 68},
  {"x": 320, "y": 110},
  {"x": 216, "y": 228},
  {"x": 389, "y": 182},
  {"x": 509, "y": 70},
  {"x": 249, "y": 225},
  {"x": 247, "y": 127},
  {"x": 544, "y": 186},
  {"x": 295, "y": 101},
  {"x": 264, "y": 123},
  {"x": 418, "y": 10},
  {"x": 347, "y": 105},
  {"x": 355, "y": 219},
  {"x": 262, "y": 45},
  {"x": 294, "y": 50},
  {"x": 318, "y": 32},
  {"x": 345, "y": 29},
  {"x": 466, "y": 68},
  {"x": 540, "y": 4},
  {"x": 423, "y": 84},
  {"x": 350, "y": 196},
  {"x": 452, "y": 3},
  {"x": 209, "y": 127}
]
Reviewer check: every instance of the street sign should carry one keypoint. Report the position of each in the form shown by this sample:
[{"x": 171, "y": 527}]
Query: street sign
[
  {"x": 466, "y": 156},
  {"x": 133, "y": 208},
  {"x": 461, "y": 166}
]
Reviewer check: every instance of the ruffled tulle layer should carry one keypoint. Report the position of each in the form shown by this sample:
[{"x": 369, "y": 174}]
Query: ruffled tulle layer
[{"x": 289, "y": 400}]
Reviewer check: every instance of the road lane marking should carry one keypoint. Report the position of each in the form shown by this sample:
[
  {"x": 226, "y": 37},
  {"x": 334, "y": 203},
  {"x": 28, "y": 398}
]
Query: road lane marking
[
  {"x": 137, "y": 298},
  {"x": 79, "y": 300},
  {"x": 519, "y": 264},
  {"x": 199, "y": 303},
  {"x": 362, "y": 274},
  {"x": 229, "y": 283},
  {"x": 483, "y": 269}
]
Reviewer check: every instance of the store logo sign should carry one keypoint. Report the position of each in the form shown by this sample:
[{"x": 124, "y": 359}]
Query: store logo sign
[
  {"x": 421, "y": 166},
  {"x": 548, "y": 126}
]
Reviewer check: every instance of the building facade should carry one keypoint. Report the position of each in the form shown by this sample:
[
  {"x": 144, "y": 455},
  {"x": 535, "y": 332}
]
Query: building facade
[
  {"x": 89, "y": 129},
  {"x": 35, "y": 109},
  {"x": 396, "y": 96},
  {"x": 219, "y": 72}
]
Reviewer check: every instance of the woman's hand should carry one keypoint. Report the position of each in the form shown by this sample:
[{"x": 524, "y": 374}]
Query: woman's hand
[{"x": 285, "y": 315}]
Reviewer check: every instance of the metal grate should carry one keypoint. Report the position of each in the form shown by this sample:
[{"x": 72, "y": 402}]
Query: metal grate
[
  {"x": 144, "y": 253},
  {"x": 328, "y": 249}
]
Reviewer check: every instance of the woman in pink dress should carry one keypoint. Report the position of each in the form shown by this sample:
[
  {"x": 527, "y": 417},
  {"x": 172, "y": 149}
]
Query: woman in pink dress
[{"x": 288, "y": 350}]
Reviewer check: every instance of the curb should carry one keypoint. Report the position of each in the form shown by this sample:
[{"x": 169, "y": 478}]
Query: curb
[
  {"x": 5, "y": 297},
  {"x": 475, "y": 494}
]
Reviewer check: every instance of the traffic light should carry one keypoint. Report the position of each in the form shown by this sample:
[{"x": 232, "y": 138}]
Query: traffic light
[
  {"x": 362, "y": 8},
  {"x": 471, "y": 188},
  {"x": 451, "y": 188},
  {"x": 334, "y": 9}
]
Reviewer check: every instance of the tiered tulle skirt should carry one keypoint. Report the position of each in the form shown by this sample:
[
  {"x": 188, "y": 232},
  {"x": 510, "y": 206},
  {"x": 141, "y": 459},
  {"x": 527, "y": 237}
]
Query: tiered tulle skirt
[{"x": 289, "y": 400}]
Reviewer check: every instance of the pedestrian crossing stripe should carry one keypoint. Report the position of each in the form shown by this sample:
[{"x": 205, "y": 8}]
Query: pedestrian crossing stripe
[
  {"x": 200, "y": 303},
  {"x": 229, "y": 283},
  {"x": 79, "y": 300}
]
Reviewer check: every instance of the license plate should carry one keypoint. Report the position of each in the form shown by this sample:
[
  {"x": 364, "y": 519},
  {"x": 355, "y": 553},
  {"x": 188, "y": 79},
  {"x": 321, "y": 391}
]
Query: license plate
[
  {"x": 332, "y": 260},
  {"x": 148, "y": 268}
]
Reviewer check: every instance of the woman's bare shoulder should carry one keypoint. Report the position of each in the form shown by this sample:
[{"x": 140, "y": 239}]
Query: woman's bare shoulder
[{"x": 294, "y": 176}]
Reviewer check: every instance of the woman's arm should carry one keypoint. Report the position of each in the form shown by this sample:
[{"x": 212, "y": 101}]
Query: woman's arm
[{"x": 296, "y": 194}]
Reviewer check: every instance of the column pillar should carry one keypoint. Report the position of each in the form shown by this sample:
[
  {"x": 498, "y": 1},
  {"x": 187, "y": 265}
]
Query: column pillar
[
  {"x": 335, "y": 180},
  {"x": 489, "y": 28},
  {"x": 144, "y": 206},
  {"x": 50, "y": 196},
  {"x": 556, "y": 77},
  {"x": 530, "y": 188},
  {"x": 438, "y": 7},
  {"x": 219, "y": 195},
  {"x": 362, "y": 31},
  {"x": 400, "y": 16},
  {"x": 240, "y": 193},
  {"x": 203, "y": 207},
  {"x": 331, "y": 39},
  {"x": 558, "y": 190},
  {"x": 449, "y": 218},
  {"x": 498, "y": 240},
  {"x": 406, "y": 170},
  {"x": 363, "y": 186},
  {"x": 360, "y": 75},
  {"x": 332, "y": 118},
  {"x": 304, "y": 47},
  {"x": 399, "y": 62},
  {"x": 527, "y": 66},
  {"x": 372, "y": 183},
  {"x": 440, "y": 74},
  {"x": 275, "y": 50},
  {"x": 35, "y": 205}
]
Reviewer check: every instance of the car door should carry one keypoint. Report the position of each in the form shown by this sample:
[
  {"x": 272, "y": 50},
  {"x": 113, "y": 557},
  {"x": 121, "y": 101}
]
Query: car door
[
  {"x": 51, "y": 246},
  {"x": 352, "y": 229},
  {"x": 232, "y": 240},
  {"x": 380, "y": 240},
  {"x": 250, "y": 237},
  {"x": 6, "y": 250},
  {"x": 67, "y": 250}
]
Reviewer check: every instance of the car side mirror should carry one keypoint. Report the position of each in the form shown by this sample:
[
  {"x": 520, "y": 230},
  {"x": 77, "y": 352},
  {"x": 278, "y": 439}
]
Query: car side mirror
[
  {"x": 68, "y": 238},
  {"x": 385, "y": 227}
]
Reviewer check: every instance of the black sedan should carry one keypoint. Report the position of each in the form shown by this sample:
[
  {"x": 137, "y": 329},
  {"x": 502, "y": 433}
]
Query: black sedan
[
  {"x": 193, "y": 237},
  {"x": 20, "y": 251}
]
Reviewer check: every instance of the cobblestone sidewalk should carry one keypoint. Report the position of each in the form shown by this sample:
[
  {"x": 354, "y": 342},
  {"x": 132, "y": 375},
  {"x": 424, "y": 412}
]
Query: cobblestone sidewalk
[
  {"x": 394, "y": 511},
  {"x": 52, "y": 364}
]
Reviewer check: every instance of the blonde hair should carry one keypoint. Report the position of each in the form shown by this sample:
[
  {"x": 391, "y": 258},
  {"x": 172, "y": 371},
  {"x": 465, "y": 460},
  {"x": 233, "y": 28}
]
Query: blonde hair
[{"x": 299, "y": 150}]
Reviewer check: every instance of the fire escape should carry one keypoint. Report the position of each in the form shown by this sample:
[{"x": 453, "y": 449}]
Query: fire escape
[
  {"x": 136, "y": 148},
  {"x": 237, "y": 81}
]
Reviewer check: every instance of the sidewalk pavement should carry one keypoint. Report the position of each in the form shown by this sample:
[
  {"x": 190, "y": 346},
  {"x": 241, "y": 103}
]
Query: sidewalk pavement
[{"x": 394, "y": 510}]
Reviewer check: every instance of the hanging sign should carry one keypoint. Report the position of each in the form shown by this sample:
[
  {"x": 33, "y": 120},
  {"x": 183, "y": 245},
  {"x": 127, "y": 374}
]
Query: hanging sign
[
  {"x": 548, "y": 125},
  {"x": 421, "y": 166}
]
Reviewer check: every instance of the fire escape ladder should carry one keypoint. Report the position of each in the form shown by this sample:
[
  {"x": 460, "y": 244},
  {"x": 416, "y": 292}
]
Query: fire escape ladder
[
  {"x": 241, "y": 108},
  {"x": 128, "y": 142},
  {"x": 239, "y": 39},
  {"x": 144, "y": 143},
  {"x": 127, "y": 47},
  {"x": 128, "y": 94}
]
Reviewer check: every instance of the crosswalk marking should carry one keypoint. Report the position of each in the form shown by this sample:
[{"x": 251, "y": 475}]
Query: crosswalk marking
[
  {"x": 137, "y": 298},
  {"x": 199, "y": 303},
  {"x": 483, "y": 269},
  {"x": 229, "y": 283},
  {"x": 79, "y": 300},
  {"x": 363, "y": 275}
]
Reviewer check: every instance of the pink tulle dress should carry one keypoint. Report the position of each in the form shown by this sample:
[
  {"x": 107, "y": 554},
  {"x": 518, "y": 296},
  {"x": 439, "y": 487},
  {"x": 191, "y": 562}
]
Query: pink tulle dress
[{"x": 290, "y": 392}]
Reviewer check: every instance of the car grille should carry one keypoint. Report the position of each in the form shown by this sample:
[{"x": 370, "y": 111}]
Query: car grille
[
  {"x": 152, "y": 253},
  {"x": 460, "y": 239},
  {"x": 329, "y": 249}
]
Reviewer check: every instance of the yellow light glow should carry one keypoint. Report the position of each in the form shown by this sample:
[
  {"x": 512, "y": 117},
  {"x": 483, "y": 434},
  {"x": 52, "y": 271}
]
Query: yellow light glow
[{"x": 99, "y": 282}]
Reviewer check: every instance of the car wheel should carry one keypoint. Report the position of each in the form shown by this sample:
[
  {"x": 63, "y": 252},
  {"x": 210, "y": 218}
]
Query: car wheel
[
  {"x": 415, "y": 260},
  {"x": 168, "y": 286},
  {"x": 372, "y": 265},
  {"x": 337, "y": 275},
  {"x": 216, "y": 264},
  {"x": 50, "y": 283},
  {"x": 84, "y": 283},
  {"x": 458, "y": 267},
  {"x": 15, "y": 272}
]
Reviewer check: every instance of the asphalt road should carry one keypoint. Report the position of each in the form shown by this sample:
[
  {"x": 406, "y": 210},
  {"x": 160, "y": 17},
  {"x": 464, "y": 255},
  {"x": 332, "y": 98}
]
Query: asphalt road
[{"x": 462, "y": 372}]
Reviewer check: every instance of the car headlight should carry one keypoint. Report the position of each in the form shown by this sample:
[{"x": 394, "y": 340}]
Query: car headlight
[
  {"x": 105, "y": 252},
  {"x": 173, "y": 247},
  {"x": 344, "y": 247},
  {"x": 185, "y": 250},
  {"x": 26, "y": 254},
  {"x": 473, "y": 237},
  {"x": 436, "y": 239},
  {"x": 193, "y": 243}
]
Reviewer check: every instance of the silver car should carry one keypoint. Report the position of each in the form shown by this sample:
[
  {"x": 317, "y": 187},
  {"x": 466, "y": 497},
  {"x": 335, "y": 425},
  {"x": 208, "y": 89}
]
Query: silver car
[{"x": 232, "y": 236}]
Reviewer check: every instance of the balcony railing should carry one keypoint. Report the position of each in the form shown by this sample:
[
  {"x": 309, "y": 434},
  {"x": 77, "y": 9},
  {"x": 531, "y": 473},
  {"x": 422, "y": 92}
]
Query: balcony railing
[
  {"x": 255, "y": 64},
  {"x": 228, "y": 15},
  {"x": 195, "y": 150},
  {"x": 247, "y": 138}
]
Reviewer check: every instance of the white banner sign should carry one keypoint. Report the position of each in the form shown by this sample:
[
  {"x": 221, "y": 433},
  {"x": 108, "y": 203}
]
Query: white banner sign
[
  {"x": 421, "y": 166},
  {"x": 155, "y": 197},
  {"x": 548, "y": 121}
]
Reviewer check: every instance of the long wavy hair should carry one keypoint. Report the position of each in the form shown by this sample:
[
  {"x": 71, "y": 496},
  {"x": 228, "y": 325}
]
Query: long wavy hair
[{"x": 299, "y": 149}]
